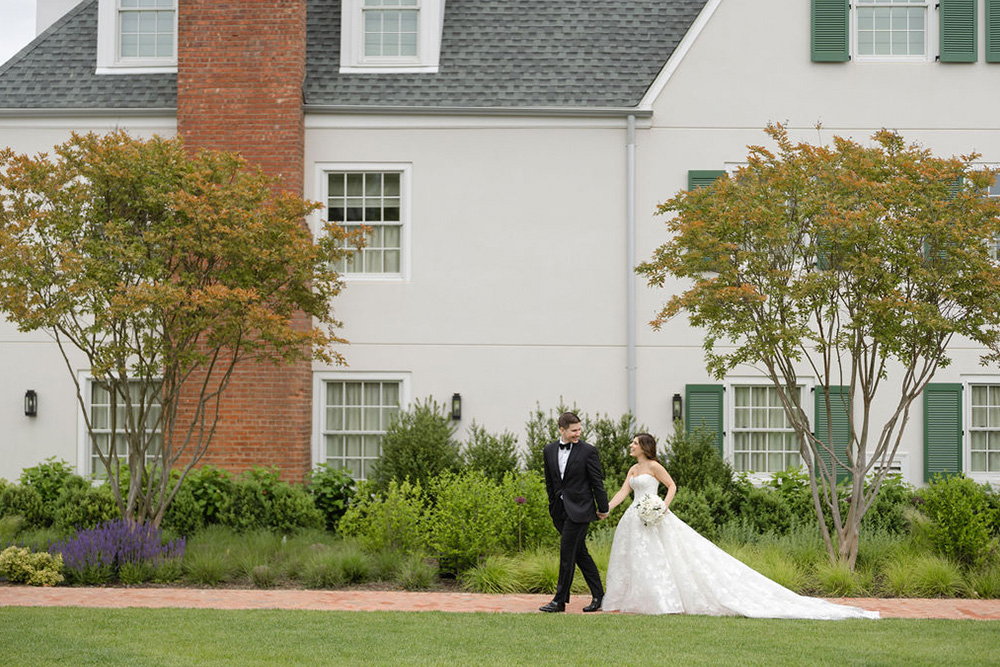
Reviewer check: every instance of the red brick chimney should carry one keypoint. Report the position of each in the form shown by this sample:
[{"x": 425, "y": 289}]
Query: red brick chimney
[{"x": 240, "y": 69}]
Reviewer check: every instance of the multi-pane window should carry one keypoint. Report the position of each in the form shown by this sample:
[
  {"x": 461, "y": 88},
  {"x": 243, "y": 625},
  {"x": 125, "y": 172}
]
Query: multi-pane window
[
  {"x": 146, "y": 28},
  {"x": 109, "y": 415},
  {"x": 984, "y": 429},
  {"x": 371, "y": 199},
  {"x": 763, "y": 439},
  {"x": 892, "y": 28},
  {"x": 390, "y": 28},
  {"x": 356, "y": 416}
]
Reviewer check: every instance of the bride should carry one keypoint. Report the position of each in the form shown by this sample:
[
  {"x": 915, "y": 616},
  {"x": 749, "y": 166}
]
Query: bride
[{"x": 666, "y": 567}]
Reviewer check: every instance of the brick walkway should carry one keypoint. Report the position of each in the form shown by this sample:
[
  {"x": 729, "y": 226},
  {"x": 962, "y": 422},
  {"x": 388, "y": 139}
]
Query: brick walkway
[{"x": 26, "y": 596}]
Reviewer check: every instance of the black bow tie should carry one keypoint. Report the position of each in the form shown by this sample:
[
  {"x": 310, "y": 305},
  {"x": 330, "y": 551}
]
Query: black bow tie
[{"x": 565, "y": 445}]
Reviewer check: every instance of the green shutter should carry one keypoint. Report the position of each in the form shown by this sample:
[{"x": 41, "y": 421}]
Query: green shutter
[
  {"x": 703, "y": 410},
  {"x": 942, "y": 429},
  {"x": 700, "y": 178},
  {"x": 830, "y": 31},
  {"x": 840, "y": 421},
  {"x": 958, "y": 31},
  {"x": 993, "y": 31}
]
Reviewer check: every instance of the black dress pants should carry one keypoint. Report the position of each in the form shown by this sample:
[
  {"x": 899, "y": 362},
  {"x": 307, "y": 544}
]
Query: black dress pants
[{"x": 572, "y": 553}]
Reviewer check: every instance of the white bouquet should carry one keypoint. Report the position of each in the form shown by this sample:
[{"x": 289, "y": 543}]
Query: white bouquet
[{"x": 650, "y": 509}]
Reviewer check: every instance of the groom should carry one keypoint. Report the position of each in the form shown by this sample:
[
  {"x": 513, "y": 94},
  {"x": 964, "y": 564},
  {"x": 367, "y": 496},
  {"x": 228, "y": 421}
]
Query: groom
[{"x": 575, "y": 484}]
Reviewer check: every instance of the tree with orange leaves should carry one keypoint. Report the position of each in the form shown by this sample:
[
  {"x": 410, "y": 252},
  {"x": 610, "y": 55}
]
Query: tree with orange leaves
[{"x": 856, "y": 266}]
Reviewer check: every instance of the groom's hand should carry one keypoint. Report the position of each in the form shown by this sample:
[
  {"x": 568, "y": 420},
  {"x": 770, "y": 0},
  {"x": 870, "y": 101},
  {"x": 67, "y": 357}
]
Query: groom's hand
[{"x": 603, "y": 515}]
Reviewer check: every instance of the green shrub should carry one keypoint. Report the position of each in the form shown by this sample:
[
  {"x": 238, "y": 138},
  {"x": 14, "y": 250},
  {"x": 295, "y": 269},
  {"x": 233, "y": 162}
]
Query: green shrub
[
  {"x": 764, "y": 510},
  {"x": 26, "y": 502},
  {"x": 962, "y": 518},
  {"x": 418, "y": 446},
  {"x": 184, "y": 514},
  {"x": 838, "y": 580},
  {"x": 260, "y": 499},
  {"x": 529, "y": 525},
  {"x": 495, "y": 574},
  {"x": 211, "y": 488},
  {"x": 494, "y": 455},
  {"x": 10, "y": 526},
  {"x": 48, "y": 479},
  {"x": 691, "y": 507},
  {"x": 888, "y": 510},
  {"x": 331, "y": 489},
  {"x": 693, "y": 461},
  {"x": 82, "y": 505},
  {"x": 417, "y": 573},
  {"x": 394, "y": 520},
  {"x": 793, "y": 487},
  {"x": 19, "y": 565},
  {"x": 986, "y": 582},
  {"x": 471, "y": 515}
]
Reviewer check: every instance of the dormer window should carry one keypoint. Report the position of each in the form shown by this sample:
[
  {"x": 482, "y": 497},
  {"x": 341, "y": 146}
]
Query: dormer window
[
  {"x": 136, "y": 36},
  {"x": 391, "y": 35},
  {"x": 390, "y": 28}
]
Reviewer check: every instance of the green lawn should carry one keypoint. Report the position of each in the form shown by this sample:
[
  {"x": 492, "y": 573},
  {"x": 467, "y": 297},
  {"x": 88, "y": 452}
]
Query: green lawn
[{"x": 167, "y": 637}]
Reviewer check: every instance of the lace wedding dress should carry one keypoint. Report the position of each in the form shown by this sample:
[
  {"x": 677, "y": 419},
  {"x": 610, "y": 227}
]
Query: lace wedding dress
[{"x": 668, "y": 568}]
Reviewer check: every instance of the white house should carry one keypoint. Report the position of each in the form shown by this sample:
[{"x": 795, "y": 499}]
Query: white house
[{"x": 509, "y": 156}]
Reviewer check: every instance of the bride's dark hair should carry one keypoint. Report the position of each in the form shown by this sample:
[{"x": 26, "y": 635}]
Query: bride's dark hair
[{"x": 648, "y": 444}]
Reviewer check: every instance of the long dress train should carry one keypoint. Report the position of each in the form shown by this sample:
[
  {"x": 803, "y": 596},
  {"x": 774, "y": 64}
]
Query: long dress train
[{"x": 668, "y": 568}]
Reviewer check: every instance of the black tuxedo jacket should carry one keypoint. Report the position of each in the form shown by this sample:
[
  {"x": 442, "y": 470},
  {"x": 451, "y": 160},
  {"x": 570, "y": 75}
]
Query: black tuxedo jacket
[{"x": 580, "y": 494}]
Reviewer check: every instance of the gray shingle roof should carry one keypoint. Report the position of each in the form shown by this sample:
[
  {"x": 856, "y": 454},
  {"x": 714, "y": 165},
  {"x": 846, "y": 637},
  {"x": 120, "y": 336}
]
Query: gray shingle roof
[
  {"x": 494, "y": 53},
  {"x": 56, "y": 71}
]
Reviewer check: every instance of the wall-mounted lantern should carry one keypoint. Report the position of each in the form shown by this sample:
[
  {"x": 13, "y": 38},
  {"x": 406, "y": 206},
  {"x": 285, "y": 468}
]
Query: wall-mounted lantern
[
  {"x": 677, "y": 406},
  {"x": 456, "y": 407},
  {"x": 30, "y": 403}
]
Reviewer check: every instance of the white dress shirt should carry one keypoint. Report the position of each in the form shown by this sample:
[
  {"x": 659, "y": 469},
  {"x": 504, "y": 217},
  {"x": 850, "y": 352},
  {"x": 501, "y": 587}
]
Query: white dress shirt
[{"x": 564, "y": 457}]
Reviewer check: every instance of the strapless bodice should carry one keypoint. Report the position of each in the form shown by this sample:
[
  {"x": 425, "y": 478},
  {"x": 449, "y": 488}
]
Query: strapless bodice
[{"x": 644, "y": 484}]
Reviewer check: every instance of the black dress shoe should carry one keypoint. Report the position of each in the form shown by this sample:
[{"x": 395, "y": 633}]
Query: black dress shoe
[
  {"x": 595, "y": 605},
  {"x": 553, "y": 606}
]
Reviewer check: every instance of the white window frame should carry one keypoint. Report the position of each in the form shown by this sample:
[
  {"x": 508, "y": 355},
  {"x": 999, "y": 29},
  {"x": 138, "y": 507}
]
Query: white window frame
[
  {"x": 430, "y": 24},
  {"x": 319, "y": 400},
  {"x": 931, "y": 38},
  {"x": 84, "y": 447},
  {"x": 109, "y": 61},
  {"x": 405, "y": 195},
  {"x": 806, "y": 386},
  {"x": 968, "y": 381}
]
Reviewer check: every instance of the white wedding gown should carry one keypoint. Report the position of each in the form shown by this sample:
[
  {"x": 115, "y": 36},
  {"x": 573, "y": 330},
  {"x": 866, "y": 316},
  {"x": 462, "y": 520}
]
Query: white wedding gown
[{"x": 668, "y": 568}]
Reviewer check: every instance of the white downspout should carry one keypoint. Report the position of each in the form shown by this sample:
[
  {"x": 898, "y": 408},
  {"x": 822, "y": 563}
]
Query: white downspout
[{"x": 630, "y": 334}]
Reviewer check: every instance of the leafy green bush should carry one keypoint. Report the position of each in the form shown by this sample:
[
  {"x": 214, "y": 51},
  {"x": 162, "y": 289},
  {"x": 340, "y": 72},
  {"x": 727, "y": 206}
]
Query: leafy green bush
[
  {"x": 529, "y": 525},
  {"x": 10, "y": 526},
  {"x": 331, "y": 489},
  {"x": 962, "y": 518},
  {"x": 82, "y": 505},
  {"x": 184, "y": 514},
  {"x": 260, "y": 499},
  {"x": 417, "y": 446},
  {"x": 691, "y": 507},
  {"x": 494, "y": 455},
  {"x": 395, "y": 519},
  {"x": 793, "y": 486},
  {"x": 888, "y": 511},
  {"x": 24, "y": 501},
  {"x": 471, "y": 515},
  {"x": 765, "y": 510},
  {"x": 211, "y": 488},
  {"x": 693, "y": 461},
  {"x": 19, "y": 565},
  {"x": 48, "y": 479}
]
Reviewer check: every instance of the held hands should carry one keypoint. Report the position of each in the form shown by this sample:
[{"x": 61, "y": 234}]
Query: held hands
[{"x": 603, "y": 515}]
